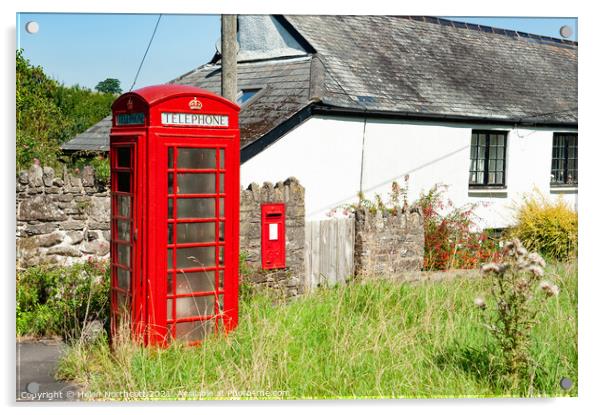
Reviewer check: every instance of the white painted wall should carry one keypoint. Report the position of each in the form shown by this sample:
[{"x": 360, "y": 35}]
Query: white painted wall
[{"x": 325, "y": 154}]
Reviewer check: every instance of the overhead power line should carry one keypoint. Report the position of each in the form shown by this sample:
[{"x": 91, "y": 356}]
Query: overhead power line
[{"x": 146, "y": 52}]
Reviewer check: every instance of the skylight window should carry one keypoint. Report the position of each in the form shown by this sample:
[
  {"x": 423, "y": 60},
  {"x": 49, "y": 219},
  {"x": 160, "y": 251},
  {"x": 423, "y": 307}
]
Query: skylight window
[{"x": 245, "y": 95}]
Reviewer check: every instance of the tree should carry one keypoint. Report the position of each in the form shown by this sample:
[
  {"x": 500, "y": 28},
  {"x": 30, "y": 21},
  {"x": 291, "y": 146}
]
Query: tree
[
  {"x": 109, "y": 86},
  {"x": 48, "y": 113}
]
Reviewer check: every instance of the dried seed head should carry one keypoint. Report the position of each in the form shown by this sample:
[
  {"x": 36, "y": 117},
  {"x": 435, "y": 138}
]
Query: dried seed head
[
  {"x": 487, "y": 268},
  {"x": 549, "y": 289},
  {"x": 521, "y": 251},
  {"x": 522, "y": 284},
  {"x": 536, "y": 270},
  {"x": 479, "y": 302},
  {"x": 536, "y": 259}
]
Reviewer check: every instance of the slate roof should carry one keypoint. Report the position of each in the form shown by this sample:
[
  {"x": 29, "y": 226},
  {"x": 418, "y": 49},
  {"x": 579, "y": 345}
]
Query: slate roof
[
  {"x": 402, "y": 66},
  {"x": 435, "y": 66}
]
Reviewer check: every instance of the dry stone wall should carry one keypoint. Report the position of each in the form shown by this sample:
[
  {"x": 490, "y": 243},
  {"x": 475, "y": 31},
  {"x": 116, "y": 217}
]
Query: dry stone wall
[
  {"x": 388, "y": 244},
  {"x": 61, "y": 218},
  {"x": 65, "y": 218}
]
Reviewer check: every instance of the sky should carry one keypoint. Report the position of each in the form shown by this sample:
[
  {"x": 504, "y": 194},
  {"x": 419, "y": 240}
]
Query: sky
[{"x": 85, "y": 49}]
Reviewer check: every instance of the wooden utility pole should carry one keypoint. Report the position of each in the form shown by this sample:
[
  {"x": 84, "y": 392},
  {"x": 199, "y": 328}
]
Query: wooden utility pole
[{"x": 229, "y": 51}]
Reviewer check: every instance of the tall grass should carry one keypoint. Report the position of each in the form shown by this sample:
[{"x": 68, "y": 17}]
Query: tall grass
[{"x": 371, "y": 339}]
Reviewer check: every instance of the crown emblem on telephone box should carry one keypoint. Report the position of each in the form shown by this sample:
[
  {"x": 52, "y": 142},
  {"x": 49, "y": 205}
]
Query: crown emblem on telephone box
[{"x": 195, "y": 104}]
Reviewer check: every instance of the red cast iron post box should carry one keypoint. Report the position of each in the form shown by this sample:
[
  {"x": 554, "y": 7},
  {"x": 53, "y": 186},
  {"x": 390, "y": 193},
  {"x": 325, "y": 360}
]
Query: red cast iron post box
[
  {"x": 175, "y": 167},
  {"x": 273, "y": 236}
]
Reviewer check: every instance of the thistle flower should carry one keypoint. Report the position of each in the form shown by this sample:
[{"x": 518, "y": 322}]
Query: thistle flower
[
  {"x": 548, "y": 288},
  {"x": 522, "y": 284},
  {"x": 536, "y": 259},
  {"x": 521, "y": 251},
  {"x": 536, "y": 270},
  {"x": 487, "y": 268},
  {"x": 479, "y": 302}
]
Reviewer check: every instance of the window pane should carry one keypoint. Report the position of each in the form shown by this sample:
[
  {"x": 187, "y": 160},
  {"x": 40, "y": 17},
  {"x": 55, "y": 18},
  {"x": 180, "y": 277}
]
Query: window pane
[
  {"x": 195, "y": 330},
  {"x": 473, "y": 140},
  {"x": 222, "y": 159},
  {"x": 123, "y": 157},
  {"x": 170, "y": 183},
  {"x": 123, "y": 279},
  {"x": 196, "y": 232},
  {"x": 196, "y": 208},
  {"x": 195, "y": 306},
  {"x": 222, "y": 181},
  {"x": 123, "y": 230},
  {"x": 480, "y": 178},
  {"x": 196, "y": 158},
  {"x": 221, "y": 231},
  {"x": 189, "y": 282},
  {"x": 197, "y": 257},
  {"x": 170, "y": 233},
  {"x": 221, "y": 280},
  {"x": 170, "y": 208},
  {"x": 222, "y": 202},
  {"x": 122, "y": 302},
  {"x": 499, "y": 179},
  {"x": 481, "y": 165},
  {"x": 191, "y": 183},
  {"x": 123, "y": 254},
  {"x": 123, "y": 182},
  {"x": 499, "y": 165},
  {"x": 123, "y": 205},
  {"x": 170, "y": 158}
]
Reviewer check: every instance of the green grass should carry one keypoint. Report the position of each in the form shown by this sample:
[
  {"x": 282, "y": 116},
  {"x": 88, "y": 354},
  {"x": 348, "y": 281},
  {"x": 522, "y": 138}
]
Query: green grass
[{"x": 372, "y": 339}]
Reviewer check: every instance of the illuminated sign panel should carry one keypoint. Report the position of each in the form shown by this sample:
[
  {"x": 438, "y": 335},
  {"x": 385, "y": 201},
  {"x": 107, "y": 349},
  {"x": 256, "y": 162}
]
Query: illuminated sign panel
[{"x": 195, "y": 120}]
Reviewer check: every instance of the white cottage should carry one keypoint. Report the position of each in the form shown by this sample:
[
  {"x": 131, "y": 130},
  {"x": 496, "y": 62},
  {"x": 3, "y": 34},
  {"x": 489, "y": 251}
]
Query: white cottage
[{"x": 352, "y": 103}]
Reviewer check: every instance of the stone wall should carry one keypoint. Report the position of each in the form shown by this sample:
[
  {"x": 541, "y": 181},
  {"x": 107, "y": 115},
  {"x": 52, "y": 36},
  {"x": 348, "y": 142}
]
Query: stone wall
[
  {"x": 65, "y": 218},
  {"x": 61, "y": 218},
  {"x": 388, "y": 244},
  {"x": 289, "y": 281}
]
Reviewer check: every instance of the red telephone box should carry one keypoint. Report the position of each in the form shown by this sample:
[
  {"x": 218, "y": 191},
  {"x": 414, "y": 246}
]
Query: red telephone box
[
  {"x": 273, "y": 239},
  {"x": 175, "y": 166}
]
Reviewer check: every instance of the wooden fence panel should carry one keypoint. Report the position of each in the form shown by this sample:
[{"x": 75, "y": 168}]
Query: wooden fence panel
[{"x": 329, "y": 251}]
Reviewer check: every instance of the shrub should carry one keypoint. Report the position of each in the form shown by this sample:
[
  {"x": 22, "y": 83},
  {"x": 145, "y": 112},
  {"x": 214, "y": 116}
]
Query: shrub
[
  {"x": 518, "y": 290},
  {"x": 450, "y": 239},
  {"x": 62, "y": 300},
  {"x": 549, "y": 227}
]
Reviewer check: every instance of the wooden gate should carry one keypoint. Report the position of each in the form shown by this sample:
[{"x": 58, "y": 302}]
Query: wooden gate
[{"x": 329, "y": 251}]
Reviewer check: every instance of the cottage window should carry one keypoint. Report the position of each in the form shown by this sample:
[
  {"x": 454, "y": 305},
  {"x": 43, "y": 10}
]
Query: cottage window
[
  {"x": 564, "y": 160},
  {"x": 488, "y": 158}
]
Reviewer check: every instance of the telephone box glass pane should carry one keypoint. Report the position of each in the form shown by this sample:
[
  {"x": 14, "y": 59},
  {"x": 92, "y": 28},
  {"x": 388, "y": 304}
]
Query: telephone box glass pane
[
  {"x": 222, "y": 159},
  {"x": 123, "y": 206},
  {"x": 197, "y": 257},
  {"x": 196, "y": 232},
  {"x": 123, "y": 182},
  {"x": 221, "y": 231},
  {"x": 195, "y": 306},
  {"x": 123, "y": 279},
  {"x": 170, "y": 208},
  {"x": 221, "y": 183},
  {"x": 123, "y": 157},
  {"x": 170, "y": 183},
  {"x": 222, "y": 206},
  {"x": 196, "y": 183},
  {"x": 123, "y": 254},
  {"x": 196, "y": 208},
  {"x": 196, "y": 158},
  {"x": 123, "y": 230},
  {"x": 221, "y": 280},
  {"x": 221, "y": 256},
  {"x": 170, "y": 158},
  {"x": 194, "y": 330},
  {"x": 189, "y": 282}
]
